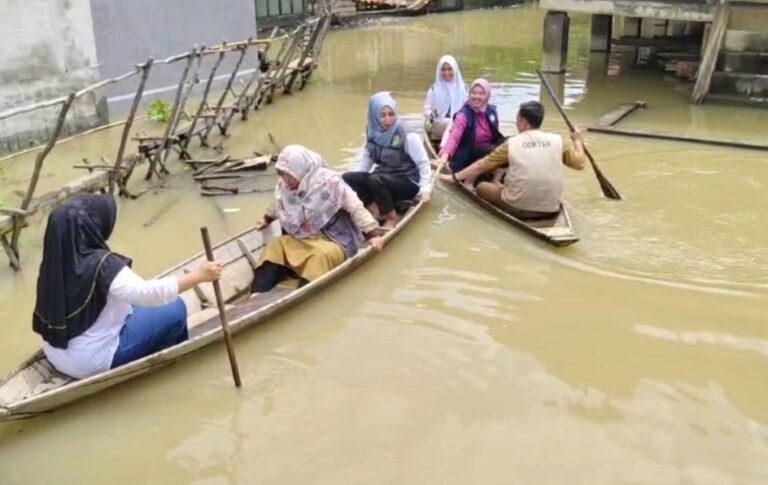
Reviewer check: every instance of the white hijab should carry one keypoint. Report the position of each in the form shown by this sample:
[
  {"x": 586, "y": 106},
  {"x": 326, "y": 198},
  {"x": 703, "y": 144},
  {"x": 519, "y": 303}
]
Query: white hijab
[{"x": 448, "y": 97}]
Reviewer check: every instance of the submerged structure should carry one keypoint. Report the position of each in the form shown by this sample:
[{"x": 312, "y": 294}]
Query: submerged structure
[{"x": 721, "y": 46}]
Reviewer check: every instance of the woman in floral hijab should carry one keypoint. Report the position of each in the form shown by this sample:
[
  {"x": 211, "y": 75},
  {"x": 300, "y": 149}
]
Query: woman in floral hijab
[{"x": 322, "y": 219}]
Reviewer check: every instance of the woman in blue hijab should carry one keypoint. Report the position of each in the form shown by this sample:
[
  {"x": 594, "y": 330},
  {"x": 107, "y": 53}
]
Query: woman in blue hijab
[{"x": 402, "y": 169}]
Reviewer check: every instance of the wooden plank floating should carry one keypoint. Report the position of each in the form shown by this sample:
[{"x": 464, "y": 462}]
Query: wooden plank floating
[
  {"x": 725, "y": 142},
  {"x": 614, "y": 116}
]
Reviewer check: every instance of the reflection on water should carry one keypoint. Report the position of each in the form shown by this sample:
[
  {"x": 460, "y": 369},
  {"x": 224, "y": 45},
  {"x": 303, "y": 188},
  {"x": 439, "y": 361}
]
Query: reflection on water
[{"x": 467, "y": 352}]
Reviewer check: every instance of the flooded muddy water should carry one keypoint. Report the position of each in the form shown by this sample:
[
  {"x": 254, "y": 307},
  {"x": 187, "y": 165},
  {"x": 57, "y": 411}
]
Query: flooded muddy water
[{"x": 467, "y": 352}]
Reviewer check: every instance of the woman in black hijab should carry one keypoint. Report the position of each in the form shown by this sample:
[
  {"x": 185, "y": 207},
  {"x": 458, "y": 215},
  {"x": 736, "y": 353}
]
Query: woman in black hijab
[{"x": 93, "y": 312}]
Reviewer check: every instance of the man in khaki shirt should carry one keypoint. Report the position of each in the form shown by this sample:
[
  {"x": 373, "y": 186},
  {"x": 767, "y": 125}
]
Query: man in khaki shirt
[{"x": 532, "y": 186}]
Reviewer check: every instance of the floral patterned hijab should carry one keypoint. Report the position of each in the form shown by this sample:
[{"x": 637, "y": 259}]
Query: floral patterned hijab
[{"x": 304, "y": 212}]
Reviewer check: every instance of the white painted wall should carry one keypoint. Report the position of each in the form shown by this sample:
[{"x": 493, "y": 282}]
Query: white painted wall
[{"x": 48, "y": 50}]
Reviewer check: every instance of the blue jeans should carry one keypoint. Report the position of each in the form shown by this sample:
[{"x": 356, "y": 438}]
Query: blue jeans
[{"x": 149, "y": 330}]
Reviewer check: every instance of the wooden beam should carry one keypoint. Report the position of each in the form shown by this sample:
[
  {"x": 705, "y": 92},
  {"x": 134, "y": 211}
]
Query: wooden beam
[
  {"x": 733, "y": 143},
  {"x": 247, "y": 253},
  {"x": 622, "y": 111}
]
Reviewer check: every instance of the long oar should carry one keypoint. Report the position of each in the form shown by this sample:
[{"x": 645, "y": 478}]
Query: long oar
[
  {"x": 222, "y": 313},
  {"x": 608, "y": 189}
]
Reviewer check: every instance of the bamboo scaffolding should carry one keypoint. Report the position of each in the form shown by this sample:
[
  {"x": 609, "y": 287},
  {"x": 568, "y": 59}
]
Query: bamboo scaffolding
[
  {"x": 179, "y": 138},
  {"x": 203, "y": 106},
  {"x": 254, "y": 101},
  {"x": 242, "y": 104},
  {"x": 279, "y": 79},
  {"x": 213, "y": 121},
  {"x": 157, "y": 157},
  {"x": 306, "y": 38},
  {"x": 308, "y": 53}
]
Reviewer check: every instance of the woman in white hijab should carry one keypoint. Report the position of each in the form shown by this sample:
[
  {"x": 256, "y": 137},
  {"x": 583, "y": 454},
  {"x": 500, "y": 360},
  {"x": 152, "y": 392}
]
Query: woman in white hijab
[{"x": 445, "y": 98}]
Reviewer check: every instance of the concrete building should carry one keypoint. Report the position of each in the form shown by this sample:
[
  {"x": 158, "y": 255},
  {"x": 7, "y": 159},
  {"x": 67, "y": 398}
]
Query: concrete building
[
  {"x": 54, "y": 47},
  {"x": 730, "y": 39}
]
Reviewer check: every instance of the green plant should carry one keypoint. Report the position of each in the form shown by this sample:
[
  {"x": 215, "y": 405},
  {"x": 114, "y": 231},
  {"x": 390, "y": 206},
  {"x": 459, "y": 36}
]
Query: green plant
[{"x": 159, "y": 110}]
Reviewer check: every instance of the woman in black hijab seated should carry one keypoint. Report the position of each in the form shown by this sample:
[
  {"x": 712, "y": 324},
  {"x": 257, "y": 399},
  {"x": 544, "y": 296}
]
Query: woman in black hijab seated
[{"x": 93, "y": 312}]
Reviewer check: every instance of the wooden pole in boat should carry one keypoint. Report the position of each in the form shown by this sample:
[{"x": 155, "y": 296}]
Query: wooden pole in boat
[
  {"x": 608, "y": 189},
  {"x": 222, "y": 312}
]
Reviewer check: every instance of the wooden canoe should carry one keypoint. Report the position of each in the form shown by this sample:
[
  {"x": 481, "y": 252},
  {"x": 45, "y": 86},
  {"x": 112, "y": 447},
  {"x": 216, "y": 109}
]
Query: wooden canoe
[
  {"x": 35, "y": 387},
  {"x": 558, "y": 231}
]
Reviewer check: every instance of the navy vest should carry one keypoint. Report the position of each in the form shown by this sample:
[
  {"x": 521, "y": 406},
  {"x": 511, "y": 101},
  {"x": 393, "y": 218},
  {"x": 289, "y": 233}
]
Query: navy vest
[
  {"x": 341, "y": 230},
  {"x": 461, "y": 159},
  {"x": 393, "y": 160}
]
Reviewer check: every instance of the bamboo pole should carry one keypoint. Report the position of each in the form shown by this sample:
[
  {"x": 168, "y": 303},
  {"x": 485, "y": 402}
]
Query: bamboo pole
[
  {"x": 181, "y": 110},
  {"x": 222, "y": 312},
  {"x": 175, "y": 58},
  {"x": 605, "y": 185},
  {"x": 18, "y": 221},
  {"x": 303, "y": 57},
  {"x": 233, "y": 46},
  {"x": 105, "y": 82},
  {"x": 156, "y": 158},
  {"x": 279, "y": 79},
  {"x": 257, "y": 76},
  {"x": 145, "y": 69},
  {"x": 254, "y": 101},
  {"x": 13, "y": 257},
  {"x": 204, "y": 102},
  {"x": 32, "y": 107},
  {"x": 223, "y": 97}
]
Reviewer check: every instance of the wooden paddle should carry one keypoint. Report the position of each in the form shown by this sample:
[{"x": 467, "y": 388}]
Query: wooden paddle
[
  {"x": 222, "y": 312},
  {"x": 608, "y": 189}
]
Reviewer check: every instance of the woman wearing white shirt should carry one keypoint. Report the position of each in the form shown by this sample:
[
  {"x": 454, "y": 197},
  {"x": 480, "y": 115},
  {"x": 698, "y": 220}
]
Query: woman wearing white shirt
[
  {"x": 92, "y": 311},
  {"x": 444, "y": 98}
]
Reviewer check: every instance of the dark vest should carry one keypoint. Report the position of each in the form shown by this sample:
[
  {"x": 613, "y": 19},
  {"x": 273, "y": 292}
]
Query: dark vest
[
  {"x": 461, "y": 159},
  {"x": 344, "y": 232},
  {"x": 393, "y": 160}
]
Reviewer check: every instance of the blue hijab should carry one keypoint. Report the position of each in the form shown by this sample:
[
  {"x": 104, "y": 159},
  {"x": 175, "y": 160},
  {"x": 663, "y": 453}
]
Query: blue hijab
[{"x": 373, "y": 131}]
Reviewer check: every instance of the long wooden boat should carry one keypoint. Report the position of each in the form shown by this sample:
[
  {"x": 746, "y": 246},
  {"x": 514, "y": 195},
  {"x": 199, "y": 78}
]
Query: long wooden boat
[
  {"x": 35, "y": 387},
  {"x": 557, "y": 231}
]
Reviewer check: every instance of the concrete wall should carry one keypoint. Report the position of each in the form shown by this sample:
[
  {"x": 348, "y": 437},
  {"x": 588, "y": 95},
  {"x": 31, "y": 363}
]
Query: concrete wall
[
  {"x": 692, "y": 10},
  {"x": 127, "y": 32},
  {"x": 48, "y": 51}
]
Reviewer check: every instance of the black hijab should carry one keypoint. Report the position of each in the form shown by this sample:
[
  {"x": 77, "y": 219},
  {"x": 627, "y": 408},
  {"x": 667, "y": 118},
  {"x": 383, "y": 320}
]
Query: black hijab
[{"x": 77, "y": 268}]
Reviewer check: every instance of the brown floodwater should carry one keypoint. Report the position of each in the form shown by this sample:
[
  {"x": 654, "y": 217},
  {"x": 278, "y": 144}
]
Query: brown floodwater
[{"x": 466, "y": 352}]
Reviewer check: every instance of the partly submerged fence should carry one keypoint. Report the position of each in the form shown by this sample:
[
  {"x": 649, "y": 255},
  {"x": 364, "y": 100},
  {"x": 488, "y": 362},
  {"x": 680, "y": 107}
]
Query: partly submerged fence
[{"x": 275, "y": 72}]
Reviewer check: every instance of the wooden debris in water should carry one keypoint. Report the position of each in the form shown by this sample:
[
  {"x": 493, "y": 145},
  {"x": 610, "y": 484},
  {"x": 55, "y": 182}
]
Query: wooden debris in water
[{"x": 615, "y": 115}]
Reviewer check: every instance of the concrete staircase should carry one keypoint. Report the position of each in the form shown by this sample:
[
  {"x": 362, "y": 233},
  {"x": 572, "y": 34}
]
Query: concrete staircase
[{"x": 741, "y": 72}]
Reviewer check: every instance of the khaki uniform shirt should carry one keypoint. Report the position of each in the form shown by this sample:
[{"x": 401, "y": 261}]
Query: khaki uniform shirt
[{"x": 534, "y": 179}]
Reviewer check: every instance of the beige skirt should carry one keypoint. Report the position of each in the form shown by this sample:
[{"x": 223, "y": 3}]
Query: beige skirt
[{"x": 309, "y": 258}]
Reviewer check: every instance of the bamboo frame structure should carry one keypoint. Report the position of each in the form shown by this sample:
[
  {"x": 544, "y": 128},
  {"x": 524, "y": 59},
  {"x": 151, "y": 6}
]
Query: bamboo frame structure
[{"x": 283, "y": 72}]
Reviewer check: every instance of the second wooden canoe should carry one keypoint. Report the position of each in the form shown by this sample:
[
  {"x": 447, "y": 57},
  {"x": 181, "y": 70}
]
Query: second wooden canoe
[{"x": 557, "y": 231}]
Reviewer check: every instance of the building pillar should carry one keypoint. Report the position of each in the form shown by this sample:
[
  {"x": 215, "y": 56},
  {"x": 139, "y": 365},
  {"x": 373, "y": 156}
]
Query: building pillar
[
  {"x": 555, "y": 42},
  {"x": 632, "y": 26},
  {"x": 676, "y": 28},
  {"x": 602, "y": 26}
]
